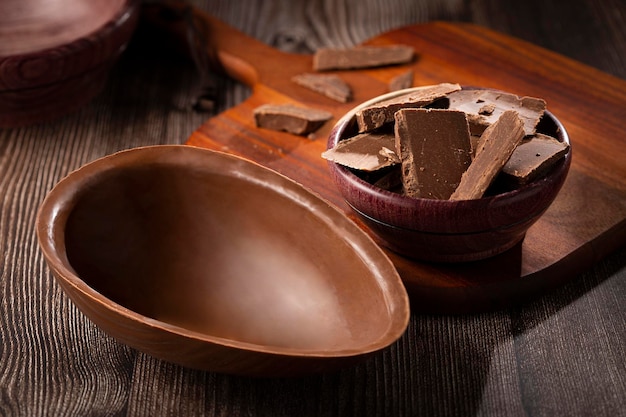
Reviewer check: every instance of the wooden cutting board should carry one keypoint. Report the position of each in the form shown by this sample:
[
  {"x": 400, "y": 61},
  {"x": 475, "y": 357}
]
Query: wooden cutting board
[{"x": 585, "y": 223}]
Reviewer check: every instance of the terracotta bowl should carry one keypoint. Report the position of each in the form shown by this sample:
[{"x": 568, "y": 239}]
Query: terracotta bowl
[
  {"x": 443, "y": 230},
  {"x": 216, "y": 263},
  {"x": 55, "y": 55}
]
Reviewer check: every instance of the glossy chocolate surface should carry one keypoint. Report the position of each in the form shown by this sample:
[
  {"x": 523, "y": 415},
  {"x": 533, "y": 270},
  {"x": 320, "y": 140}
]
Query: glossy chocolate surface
[
  {"x": 214, "y": 262},
  {"x": 495, "y": 147},
  {"x": 424, "y": 138}
]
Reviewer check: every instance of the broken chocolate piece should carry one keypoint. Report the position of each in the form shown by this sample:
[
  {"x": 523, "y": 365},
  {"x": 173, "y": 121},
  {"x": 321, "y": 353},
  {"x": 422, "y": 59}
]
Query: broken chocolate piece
[
  {"x": 495, "y": 147},
  {"x": 361, "y": 57},
  {"x": 331, "y": 86},
  {"x": 484, "y": 107},
  {"x": 377, "y": 115},
  {"x": 366, "y": 152},
  {"x": 402, "y": 81},
  {"x": 391, "y": 181},
  {"x": 435, "y": 150},
  {"x": 533, "y": 158},
  {"x": 487, "y": 109},
  {"x": 290, "y": 118}
]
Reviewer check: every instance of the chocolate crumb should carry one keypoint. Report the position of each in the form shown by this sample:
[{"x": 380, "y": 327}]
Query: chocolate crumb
[{"x": 487, "y": 109}]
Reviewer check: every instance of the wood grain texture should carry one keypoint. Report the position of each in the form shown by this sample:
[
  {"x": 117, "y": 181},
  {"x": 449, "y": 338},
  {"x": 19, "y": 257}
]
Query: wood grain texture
[
  {"x": 561, "y": 354},
  {"x": 589, "y": 103}
]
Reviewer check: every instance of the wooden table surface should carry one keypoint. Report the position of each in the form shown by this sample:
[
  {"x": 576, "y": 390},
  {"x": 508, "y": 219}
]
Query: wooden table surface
[{"x": 559, "y": 354}]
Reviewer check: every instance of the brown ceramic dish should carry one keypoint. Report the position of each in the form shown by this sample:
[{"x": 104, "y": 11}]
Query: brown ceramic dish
[
  {"x": 213, "y": 262},
  {"x": 55, "y": 55},
  {"x": 442, "y": 230}
]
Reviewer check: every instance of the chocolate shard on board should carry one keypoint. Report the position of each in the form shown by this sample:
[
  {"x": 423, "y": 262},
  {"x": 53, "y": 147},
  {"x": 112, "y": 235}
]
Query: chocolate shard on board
[
  {"x": 496, "y": 145},
  {"x": 366, "y": 152},
  {"x": 361, "y": 57},
  {"x": 435, "y": 150},
  {"x": 533, "y": 158},
  {"x": 377, "y": 115},
  {"x": 402, "y": 81},
  {"x": 484, "y": 107},
  {"x": 290, "y": 118},
  {"x": 331, "y": 86}
]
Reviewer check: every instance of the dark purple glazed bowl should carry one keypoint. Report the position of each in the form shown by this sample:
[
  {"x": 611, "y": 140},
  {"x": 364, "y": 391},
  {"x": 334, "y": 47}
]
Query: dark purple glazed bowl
[
  {"x": 55, "y": 56},
  {"x": 443, "y": 230}
]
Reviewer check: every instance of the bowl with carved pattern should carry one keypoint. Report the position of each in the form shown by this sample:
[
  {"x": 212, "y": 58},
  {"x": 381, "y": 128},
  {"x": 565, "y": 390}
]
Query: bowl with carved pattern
[{"x": 55, "y": 56}]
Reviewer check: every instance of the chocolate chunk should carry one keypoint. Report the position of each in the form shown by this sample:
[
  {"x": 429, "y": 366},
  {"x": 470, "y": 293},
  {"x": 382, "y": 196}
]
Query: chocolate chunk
[
  {"x": 366, "y": 152},
  {"x": 391, "y": 181},
  {"x": 361, "y": 57},
  {"x": 402, "y": 81},
  {"x": 533, "y": 158},
  {"x": 484, "y": 107},
  {"x": 435, "y": 150},
  {"x": 290, "y": 118},
  {"x": 495, "y": 147},
  {"x": 377, "y": 115},
  {"x": 487, "y": 109},
  {"x": 331, "y": 86}
]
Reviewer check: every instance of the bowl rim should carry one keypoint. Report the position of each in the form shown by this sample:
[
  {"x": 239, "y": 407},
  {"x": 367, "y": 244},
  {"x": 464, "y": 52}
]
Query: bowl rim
[
  {"x": 121, "y": 15},
  {"x": 411, "y": 203},
  {"x": 85, "y": 56},
  {"x": 59, "y": 202}
]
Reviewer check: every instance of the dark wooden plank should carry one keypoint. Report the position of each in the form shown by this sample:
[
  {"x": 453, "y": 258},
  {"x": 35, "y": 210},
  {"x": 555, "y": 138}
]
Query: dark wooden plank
[{"x": 589, "y": 32}]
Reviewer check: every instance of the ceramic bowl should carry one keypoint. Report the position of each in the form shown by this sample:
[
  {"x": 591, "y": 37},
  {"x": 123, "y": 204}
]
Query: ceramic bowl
[
  {"x": 443, "y": 230},
  {"x": 55, "y": 55},
  {"x": 213, "y": 262}
]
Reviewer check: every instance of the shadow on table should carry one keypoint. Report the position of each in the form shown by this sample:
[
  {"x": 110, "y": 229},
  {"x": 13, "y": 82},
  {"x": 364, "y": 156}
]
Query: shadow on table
[
  {"x": 444, "y": 365},
  {"x": 150, "y": 95}
]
